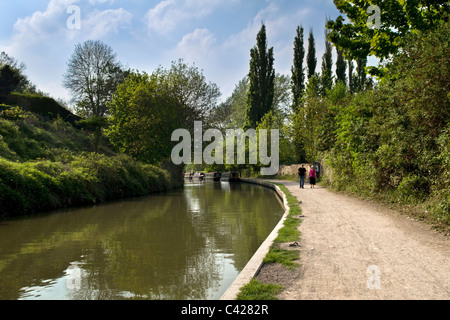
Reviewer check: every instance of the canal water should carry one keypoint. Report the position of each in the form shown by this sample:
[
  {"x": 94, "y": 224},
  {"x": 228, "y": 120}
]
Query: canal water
[{"x": 187, "y": 244}]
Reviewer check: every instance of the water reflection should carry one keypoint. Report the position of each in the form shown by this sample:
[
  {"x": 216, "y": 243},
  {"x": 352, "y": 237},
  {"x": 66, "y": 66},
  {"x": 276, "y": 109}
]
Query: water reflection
[{"x": 189, "y": 244}]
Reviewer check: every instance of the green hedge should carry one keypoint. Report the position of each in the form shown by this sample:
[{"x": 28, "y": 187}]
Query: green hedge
[
  {"x": 90, "y": 178},
  {"x": 44, "y": 106}
]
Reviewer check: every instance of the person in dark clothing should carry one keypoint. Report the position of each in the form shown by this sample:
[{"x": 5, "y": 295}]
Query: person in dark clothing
[{"x": 301, "y": 176}]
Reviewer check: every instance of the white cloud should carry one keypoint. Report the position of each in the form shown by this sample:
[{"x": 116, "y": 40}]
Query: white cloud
[
  {"x": 246, "y": 38},
  {"x": 196, "y": 45},
  {"x": 41, "y": 24},
  {"x": 167, "y": 14},
  {"x": 159, "y": 19},
  {"x": 100, "y": 23},
  {"x": 50, "y": 25},
  {"x": 101, "y": 1}
]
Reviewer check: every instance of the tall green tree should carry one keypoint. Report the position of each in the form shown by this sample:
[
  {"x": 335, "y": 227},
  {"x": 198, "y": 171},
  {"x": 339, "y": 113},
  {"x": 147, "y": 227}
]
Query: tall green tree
[
  {"x": 327, "y": 65},
  {"x": 189, "y": 86},
  {"x": 306, "y": 120},
  {"x": 334, "y": 101},
  {"x": 306, "y": 125},
  {"x": 361, "y": 73},
  {"x": 358, "y": 37},
  {"x": 311, "y": 60},
  {"x": 341, "y": 67},
  {"x": 236, "y": 103},
  {"x": 352, "y": 77},
  {"x": 282, "y": 96},
  {"x": 298, "y": 70},
  {"x": 142, "y": 119},
  {"x": 261, "y": 81}
]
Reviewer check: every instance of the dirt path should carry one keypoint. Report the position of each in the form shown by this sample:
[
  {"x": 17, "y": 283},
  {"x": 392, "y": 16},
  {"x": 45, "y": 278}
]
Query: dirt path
[{"x": 352, "y": 249}]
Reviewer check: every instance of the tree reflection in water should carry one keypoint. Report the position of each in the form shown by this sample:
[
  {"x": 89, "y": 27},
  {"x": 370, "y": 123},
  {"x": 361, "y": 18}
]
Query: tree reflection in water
[{"x": 188, "y": 244}]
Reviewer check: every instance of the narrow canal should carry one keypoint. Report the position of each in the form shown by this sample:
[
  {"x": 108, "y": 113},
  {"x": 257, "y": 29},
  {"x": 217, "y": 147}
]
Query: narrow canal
[{"x": 187, "y": 244}]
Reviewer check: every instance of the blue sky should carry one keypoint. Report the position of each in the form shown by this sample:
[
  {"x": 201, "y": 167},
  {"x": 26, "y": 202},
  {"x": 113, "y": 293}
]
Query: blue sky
[{"x": 216, "y": 35}]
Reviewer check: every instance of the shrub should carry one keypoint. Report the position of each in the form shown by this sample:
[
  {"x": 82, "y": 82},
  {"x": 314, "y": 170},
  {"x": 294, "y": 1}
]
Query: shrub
[
  {"x": 12, "y": 113},
  {"x": 89, "y": 178},
  {"x": 412, "y": 188},
  {"x": 44, "y": 106}
]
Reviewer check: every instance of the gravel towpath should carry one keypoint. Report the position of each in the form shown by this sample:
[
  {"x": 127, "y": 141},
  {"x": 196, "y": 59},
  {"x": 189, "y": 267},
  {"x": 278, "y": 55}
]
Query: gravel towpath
[{"x": 353, "y": 249}]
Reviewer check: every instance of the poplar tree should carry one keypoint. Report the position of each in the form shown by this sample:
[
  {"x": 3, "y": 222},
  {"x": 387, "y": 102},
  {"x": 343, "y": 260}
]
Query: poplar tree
[
  {"x": 326, "y": 80},
  {"x": 311, "y": 60},
  {"x": 351, "y": 77},
  {"x": 360, "y": 70},
  {"x": 298, "y": 71},
  {"x": 341, "y": 67},
  {"x": 261, "y": 81}
]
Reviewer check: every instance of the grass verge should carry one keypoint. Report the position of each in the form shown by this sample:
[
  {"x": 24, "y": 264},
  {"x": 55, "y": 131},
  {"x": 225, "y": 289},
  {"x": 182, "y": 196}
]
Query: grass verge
[
  {"x": 290, "y": 231},
  {"x": 256, "y": 290},
  {"x": 287, "y": 258}
]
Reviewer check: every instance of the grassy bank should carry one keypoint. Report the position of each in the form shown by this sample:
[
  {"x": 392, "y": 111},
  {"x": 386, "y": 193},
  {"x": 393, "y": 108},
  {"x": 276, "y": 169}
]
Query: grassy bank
[
  {"x": 257, "y": 290},
  {"x": 49, "y": 164}
]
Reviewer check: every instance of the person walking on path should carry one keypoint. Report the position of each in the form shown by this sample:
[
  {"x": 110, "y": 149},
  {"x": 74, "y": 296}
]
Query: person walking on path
[
  {"x": 312, "y": 177},
  {"x": 301, "y": 175}
]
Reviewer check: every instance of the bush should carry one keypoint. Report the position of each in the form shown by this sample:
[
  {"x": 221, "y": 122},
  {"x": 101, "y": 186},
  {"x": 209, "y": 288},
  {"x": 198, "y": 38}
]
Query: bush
[
  {"x": 412, "y": 188},
  {"x": 5, "y": 152},
  {"x": 12, "y": 113},
  {"x": 24, "y": 189},
  {"x": 44, "y": 106},
  {"x": 89, "y": 178}
]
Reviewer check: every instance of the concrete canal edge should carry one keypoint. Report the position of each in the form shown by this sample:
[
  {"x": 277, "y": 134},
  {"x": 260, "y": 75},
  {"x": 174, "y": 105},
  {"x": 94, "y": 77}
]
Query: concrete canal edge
[{"x": 253, "y": 266}]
